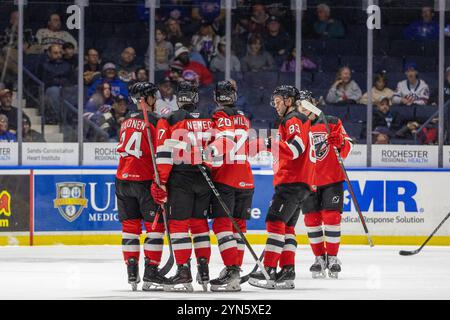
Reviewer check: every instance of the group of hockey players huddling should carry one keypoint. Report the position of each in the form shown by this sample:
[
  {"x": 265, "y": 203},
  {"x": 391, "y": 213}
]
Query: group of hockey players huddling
[{"x": 167, "y": 182}]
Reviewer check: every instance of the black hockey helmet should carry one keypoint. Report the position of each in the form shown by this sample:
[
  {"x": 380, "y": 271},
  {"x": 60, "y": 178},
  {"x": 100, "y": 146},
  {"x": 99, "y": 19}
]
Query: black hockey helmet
[
  {"x": 305, "y": 95},
  {"x": 141, "y": 90},
  {"x": 285, "y": 91},
  {"x": 225, "y": 93},
  {"x": 187, "y": 94}
]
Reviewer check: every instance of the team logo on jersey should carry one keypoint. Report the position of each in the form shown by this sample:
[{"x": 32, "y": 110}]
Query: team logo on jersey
[
  {"x": 320, "y": 144},
  {"x": 70, "y": 199},
  {"x": 335, "y": 199}
]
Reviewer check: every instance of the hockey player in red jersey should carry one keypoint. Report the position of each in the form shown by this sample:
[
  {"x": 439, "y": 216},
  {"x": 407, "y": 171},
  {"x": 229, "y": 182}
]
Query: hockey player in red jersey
[
  {"x": 133, "y": 181},
  {"x": 322, "y": 210},
  {"x": 233, "y": 178},
  {"x": 294, "y": 178},
  {"x": 189, "y": 196}
]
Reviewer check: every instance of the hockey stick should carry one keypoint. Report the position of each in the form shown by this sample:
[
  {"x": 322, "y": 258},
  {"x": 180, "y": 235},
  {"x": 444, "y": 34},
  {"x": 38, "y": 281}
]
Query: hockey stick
[
  {"x": 245, "y": 278},
  {"x": 235, "y": 225},
  {"x": 410, "y": 253},
  {"x": 169, "y": 264},
  {"x": 309, "y": 106}
]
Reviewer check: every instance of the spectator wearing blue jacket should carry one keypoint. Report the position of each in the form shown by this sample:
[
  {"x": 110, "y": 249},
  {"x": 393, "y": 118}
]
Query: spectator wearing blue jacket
[
  {"x": 425, "y": 29},
  {"x": 109, "y": 75}
]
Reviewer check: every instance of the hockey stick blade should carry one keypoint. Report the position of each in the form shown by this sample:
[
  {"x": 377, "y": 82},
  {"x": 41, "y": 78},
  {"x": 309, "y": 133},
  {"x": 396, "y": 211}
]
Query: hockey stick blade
[
  {"x": 310, "y": 107},
  {"x": 245, "y": 278},
  {"x": 408, "y": 253}
]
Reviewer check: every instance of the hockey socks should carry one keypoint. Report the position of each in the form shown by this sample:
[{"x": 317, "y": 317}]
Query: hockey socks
[
  {"x": 242, "y": 223},
  {"x": 290, "y": 246},
  {"x": 275, "y": 243},
  {"x": 131, "y": 230},
  {"x": 332, "y": 225},
  {"x": 154, "y": 242},
  {"x": 331, "y": 221},
  {"x": 200, "y": 234},
  {"x": 223, "y": 228},
  {"x": 313, "y": 222},
  {"x": 181, "y": 241}
]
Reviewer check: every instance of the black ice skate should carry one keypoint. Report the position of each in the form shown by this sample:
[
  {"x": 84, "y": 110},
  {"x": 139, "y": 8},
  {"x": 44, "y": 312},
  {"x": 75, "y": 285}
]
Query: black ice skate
[
  {"x": 181, "y": 281},
  {"x": 228, "y": 280},
  {"x": 153, "y": 280},
  {"x": 133, "y": 273},
  {"x": 203, "y": 273},
  {"x": 257, "y": 278},
  {"x": 286, "y": 278},
  {"x": 319, "y": 267},
  {"x": 334, "y": 267}
]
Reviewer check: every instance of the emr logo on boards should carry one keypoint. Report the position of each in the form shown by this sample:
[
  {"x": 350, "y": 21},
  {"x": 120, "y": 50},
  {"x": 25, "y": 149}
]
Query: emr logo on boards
[{"x": 5, "y": 208}]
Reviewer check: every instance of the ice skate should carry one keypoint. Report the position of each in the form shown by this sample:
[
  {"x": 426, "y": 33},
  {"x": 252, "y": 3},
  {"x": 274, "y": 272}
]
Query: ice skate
[
  {"x": 319, "y": 267},
  {"x": 228, "y": 280},
  {"x": 133, "y": 273},
  {"x": 153, "y": 280},
  {"x": 334, "y": 267},
  {"x": 257, "y": 279},
  {"x": 203, "y": 273},
  {"x": 285, "y": 278},
  {"x": 181, "y": 281}
]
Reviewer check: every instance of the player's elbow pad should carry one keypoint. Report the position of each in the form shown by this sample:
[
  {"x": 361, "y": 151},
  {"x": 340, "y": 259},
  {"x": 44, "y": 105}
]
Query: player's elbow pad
[
  {"x": 296, "y": 146},
  {"x": 164, "y": 155}
]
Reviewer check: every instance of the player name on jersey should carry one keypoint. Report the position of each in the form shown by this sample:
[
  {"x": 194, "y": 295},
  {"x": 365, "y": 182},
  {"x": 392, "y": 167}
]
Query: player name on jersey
[
  {"x": 137, "y": 124},
  {"x": 198, "y": 125}
]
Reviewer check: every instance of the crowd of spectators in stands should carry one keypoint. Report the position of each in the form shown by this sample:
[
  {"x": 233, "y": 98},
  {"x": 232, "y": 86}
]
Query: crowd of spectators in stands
[{"x": 190, "y": 45}]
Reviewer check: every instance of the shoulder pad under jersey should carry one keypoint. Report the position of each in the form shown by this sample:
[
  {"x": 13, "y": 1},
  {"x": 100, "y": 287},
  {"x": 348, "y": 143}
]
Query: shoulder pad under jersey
[
  {"x": 332, "y": 119},
  {"x": 226, "y": 109},
  {"x": 176, "y": 116},
  {"x": 152, "y": 117},
  {"x": 294, "y": 114}
]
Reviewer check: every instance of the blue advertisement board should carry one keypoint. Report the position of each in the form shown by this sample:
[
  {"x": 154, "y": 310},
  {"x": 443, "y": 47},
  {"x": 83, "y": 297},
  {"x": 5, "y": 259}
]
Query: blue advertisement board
[
  {"x": 75, "y": 202},
  {"x": 87, "y": 202}
]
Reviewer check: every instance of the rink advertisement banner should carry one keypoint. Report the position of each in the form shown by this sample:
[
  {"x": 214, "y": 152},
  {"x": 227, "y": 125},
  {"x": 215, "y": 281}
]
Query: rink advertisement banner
[
  {"x": 405, "y": 156},
  {"x": 100, "y": 154},
  {"x": 86, "y": 201},
  {"x": 446, "y": 156},
  {"x": 14, "y": 202},
  {"x": 395, "y": 203},
  {"x": 9, "y": 154},
  {"x": 357, "y": 157},
  {"x": 72, "y": 201},
  {"x": 48, "y": 154}
]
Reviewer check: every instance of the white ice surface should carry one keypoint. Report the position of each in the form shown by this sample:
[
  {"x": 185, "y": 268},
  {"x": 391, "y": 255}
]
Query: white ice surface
[{"x": 97, "y": 272}]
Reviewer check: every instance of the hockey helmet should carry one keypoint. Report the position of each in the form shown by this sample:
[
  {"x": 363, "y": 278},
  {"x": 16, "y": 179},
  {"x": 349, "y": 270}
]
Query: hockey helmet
[
  {"x": 187, "y": 94},
  {"x": 285, "y": 91},
  {"x": 225, "y": 93},
  {"x": 141, "y": 90}
]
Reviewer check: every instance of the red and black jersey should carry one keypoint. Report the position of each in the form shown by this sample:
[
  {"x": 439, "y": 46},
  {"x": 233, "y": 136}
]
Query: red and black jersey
[
  {"x": 135, "y": 162},
  {"x": 231, "y": 132},
  {"x": 181, "y": 137},
  {"x": 295, "y": 161},
  {"x": 327, "y": 166}
]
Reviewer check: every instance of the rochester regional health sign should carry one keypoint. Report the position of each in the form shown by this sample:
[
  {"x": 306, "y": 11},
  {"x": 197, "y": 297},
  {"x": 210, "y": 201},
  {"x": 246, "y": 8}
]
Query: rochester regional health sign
[{"x": 405, "y": 156}]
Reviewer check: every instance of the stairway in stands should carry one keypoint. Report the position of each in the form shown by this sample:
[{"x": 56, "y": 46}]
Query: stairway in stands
[{"x": 52, "y": 132}]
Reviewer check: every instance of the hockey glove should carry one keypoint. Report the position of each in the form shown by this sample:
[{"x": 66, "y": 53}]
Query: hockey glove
[
  {"x": 335, "y": 139},
  {"x": 159, "y": 194}
]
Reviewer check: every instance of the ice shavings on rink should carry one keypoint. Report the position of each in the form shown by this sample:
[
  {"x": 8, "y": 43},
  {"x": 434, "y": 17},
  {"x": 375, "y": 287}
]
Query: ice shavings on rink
[{"x": 98, "y": 272}]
